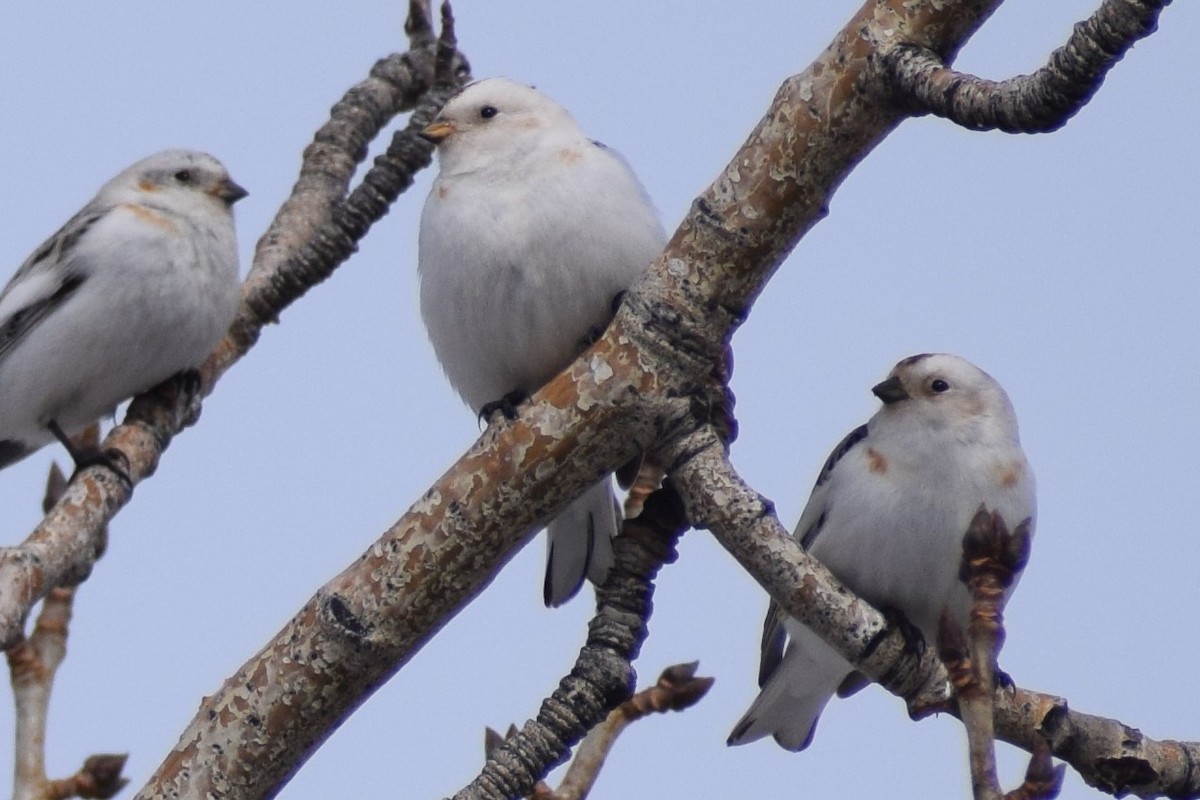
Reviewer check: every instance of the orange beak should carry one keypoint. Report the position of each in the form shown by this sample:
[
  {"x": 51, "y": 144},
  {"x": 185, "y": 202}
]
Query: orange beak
[{"x": 437, "y": 130}]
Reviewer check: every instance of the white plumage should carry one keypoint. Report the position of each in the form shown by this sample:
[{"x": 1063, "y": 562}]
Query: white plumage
[
  {"x": 139, "y": 285},
  {"x": 529, "y": 233},
  {"x": 887, "y": 516}
]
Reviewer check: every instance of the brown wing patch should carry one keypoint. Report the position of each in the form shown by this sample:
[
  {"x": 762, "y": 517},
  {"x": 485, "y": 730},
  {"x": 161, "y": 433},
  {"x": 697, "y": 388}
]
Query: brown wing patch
[{"x": 876, "y": 461}]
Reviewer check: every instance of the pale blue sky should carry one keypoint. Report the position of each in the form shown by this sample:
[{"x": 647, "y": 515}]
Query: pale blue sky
[{"x": 1065, "y": 265}]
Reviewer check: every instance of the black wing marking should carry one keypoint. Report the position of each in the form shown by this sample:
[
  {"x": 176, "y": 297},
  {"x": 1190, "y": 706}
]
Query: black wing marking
[
  {"x": 812, "y": 527},
  {"x": 845, "y": 446},
  {"x": 773, "y": 640},
  {"x": 63, "y": 241},
  {"x": 809, "y": 536},
  {"x": 23, "y": 320},
  {"x": 55, "y": 253}
]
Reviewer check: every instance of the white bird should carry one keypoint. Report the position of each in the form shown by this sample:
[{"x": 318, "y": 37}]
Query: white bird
[
  {"x": 887, "y": 517},
  {"x": 138, "y": 286},
  {"x": 530, "y": 232}
]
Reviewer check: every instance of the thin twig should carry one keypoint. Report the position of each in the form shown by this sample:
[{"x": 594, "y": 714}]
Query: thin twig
[
  {"x": 677, "y": 689},
  {"x": 992, "y": 558}
]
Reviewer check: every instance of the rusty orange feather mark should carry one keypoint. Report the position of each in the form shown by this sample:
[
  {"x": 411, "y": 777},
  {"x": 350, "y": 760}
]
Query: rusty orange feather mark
[
  {"x": 568, "y": 156},
  {"x": 149, "y": 216},
  {"x": 1010, "y": 475},
  {"x": 876, "y": 461}
]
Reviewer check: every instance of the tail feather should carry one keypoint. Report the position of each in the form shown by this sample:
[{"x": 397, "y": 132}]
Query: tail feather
[
  {"x": 793, "y": 697},
  {"x": 579, "y": 543}
]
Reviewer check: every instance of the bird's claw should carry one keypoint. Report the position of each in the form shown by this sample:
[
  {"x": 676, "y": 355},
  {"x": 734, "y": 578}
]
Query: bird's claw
[
  {"x": 111, "y": 459},
  {"x": 913, "y": 638},
  {"x": 506, "y": 405}
]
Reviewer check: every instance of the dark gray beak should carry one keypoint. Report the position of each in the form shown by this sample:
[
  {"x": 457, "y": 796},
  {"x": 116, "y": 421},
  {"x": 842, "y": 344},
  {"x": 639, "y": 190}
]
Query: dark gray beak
[
  {"x": 230, "y": 192},
  {"x": 890, "y": 391}
]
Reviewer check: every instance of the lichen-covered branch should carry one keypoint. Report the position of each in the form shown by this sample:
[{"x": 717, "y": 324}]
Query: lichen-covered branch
[
  {"x": 1037, "y": 103},
  {"x": 396, "y": 84},
  {"x": 646, "y": 542},
  {"x": 603, "y": 676},
  {"x": 676, "y": 689},
  {"x": 1108, "y": 754},
  {"x": 314, "y": 232},
  {"x": 33, "y": 663},
  {"x": 320, "y": 224}
]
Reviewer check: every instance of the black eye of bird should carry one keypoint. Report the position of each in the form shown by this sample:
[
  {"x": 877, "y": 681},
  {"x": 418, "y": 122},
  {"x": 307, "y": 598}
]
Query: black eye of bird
[
  {"x": 184, "y": 176},
  {"x": 939, "y": 386},
  {"x": 487, "y": 112}
]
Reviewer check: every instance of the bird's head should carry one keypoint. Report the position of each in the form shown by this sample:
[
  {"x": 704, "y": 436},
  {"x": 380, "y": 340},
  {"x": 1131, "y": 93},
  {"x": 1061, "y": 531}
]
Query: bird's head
[
  {"x": 496, "y": 120},
  {"x": 945, "y": 392},
  {"x": 176, "y": 179}
]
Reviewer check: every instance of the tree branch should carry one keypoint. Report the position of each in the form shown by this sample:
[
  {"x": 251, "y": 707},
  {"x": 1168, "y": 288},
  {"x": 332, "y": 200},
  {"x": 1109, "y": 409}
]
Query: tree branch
[
  {"x": 603, "y": 676},
  {"x": 677, "y": 689},
  {"x": 33, "y": 664},
  {"x": 1037, "y": 103},
  {"x": 1106, "y": 753}
]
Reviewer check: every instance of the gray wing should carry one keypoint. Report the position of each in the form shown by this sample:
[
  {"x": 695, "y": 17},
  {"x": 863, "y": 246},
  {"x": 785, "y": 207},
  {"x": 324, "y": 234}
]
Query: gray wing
[
  {"x": 844, "y": 446},
  {"x": 812, "y": 520},
  {"x": 18, "y": 322},
  {"x": 17, "y": 325},
  {"x": 63, "y": 241}
]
